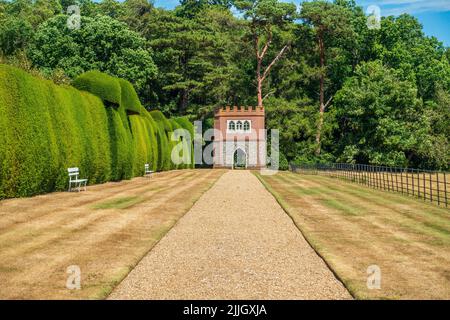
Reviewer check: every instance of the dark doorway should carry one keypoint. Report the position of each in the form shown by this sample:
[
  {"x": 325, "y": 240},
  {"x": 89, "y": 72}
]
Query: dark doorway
[{"x": 239, "y": 159}]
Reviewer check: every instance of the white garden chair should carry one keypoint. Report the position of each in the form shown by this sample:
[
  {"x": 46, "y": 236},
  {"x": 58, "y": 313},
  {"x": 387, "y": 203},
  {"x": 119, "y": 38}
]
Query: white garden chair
[{"x": 74, "y": 180}]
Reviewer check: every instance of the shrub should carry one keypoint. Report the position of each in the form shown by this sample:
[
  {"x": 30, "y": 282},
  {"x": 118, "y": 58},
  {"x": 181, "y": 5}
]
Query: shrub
[
  {"x": 26, "y": 165},
  {"x": 121, "y": 147},
  {"x": 80, "y": 123},
  {"x": 152, "y": 128},
  {"x": 130, "y": 100},
  {"x": 144, "y": 144},
  {"x": 175, "y": 126},
  {"x": 46, "y": 129},
  {"x": 162, "y": 129},
  {"x": 100, "y": 84},
  {"x": 187, "y": 125},
  {"x": 159, "y": 117},
  {"x": 284, "y": 164}
]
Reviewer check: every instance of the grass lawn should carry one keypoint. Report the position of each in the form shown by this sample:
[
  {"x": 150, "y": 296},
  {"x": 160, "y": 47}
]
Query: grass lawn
[
  {"x": 353, "y": 227},
  {"x": 105, "y": 231}
]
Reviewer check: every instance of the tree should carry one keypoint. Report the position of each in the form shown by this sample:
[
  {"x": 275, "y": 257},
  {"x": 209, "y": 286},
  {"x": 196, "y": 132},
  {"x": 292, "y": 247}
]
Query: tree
[
  {"x": 18, "y": 18},
  {"x": 192, "y": 8},
  {"x": 111, "y": 8},
  {"x": 329, "y": 21},
  {"x": 263, "y": 17},
  {"x": 88, "y": 8},
  {"x": 402, "y": 45},
  {"x": 297, "y": 118},
  {"x": 382, "y": 122},
  {"x": 101, "y": 43},
  {"x": 15, "y": 35},
  {"x": 136, "y": 13},
  {"x": 195, "y": 59},
  {"x": 382, "y": 94}
]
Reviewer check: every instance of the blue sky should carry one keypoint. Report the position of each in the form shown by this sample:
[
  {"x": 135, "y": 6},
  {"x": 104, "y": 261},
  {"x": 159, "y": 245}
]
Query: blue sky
[{"x": 433, "y": 14}]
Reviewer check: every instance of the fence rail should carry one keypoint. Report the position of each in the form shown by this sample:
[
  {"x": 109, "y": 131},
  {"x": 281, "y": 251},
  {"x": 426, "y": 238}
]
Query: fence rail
[{"x": 432, "y": 186}]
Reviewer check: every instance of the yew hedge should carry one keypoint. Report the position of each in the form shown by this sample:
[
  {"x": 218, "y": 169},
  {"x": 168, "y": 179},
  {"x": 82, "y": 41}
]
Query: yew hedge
[{"x": 100, "y": 127}]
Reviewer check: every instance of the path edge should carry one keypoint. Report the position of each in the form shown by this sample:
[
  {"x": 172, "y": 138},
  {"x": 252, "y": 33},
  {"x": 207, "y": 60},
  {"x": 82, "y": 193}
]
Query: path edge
[{"x": 287, "y": 209}]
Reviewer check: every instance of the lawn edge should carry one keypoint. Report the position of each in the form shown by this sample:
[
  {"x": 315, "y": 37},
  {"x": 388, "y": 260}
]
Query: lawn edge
[
  {"x": 309, "y": 239},
  {"x": 109, "y": 288}
]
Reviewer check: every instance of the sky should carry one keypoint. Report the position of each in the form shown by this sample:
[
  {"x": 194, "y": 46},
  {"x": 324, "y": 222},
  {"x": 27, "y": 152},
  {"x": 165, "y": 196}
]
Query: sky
[{"x": 433, "y": 14}]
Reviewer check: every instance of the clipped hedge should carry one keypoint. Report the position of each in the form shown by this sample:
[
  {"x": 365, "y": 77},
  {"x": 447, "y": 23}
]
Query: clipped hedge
[
  {"x": 46, "y": 129},
  {"x": 175, "y": 126},
  {"x": 145, "y": 144},
  {"x": 100, "y": 84},
  {"x": 164, "y": 151},
  {"x": 130, "y": 100},
  {"x": 187, "y": 125}
]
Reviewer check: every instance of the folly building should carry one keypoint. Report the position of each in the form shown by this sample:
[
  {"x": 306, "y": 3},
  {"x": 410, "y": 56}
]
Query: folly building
[{"x": 240, "y": 137}]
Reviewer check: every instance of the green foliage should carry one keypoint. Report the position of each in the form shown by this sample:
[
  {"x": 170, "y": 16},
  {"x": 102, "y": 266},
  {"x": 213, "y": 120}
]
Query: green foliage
[
  {"x": 267, "y": 12},
  {"x": 47, "y": 128},
  {"x": 152, "y": 132},
  {"x": 190, "y": 60},
  {"x": 144, "y": 133},
  {"x": 402, "y": 45},
  {"x": 163, "y": 128},
  {"x": 102, "y": 85},
  {"x": 174, "y": 142},
  {"x": 187, "y": 125},
  {"x": 383, "y": 122},
  {"x": 159, "y": 117},
  {"x": 296, "y": 121},
  {"x": 101, "y": 43},
  {"x": 121, "y": 147},
  {"x": 284, "y": 164},
  {"x": 193, "y": 8},
  {"x": 130, "y": 100},
  {"x": 15, "y": 34}
]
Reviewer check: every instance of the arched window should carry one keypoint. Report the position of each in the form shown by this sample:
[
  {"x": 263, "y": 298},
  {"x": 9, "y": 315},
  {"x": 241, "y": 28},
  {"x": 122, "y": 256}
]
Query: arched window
[
  {"x": 246, "y": 126},
  {"x": 232, "y": 126},
  {"x": 239, "y": 126}
]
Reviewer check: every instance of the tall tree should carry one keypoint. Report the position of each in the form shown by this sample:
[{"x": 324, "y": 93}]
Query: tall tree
[
  {"x": 111, "y": 8},
  {"x": 136, "y": 14},
  {"x": 329, "y": 22},
  {"x": 382, "y": 122},
  {"x": 195, "y": 59},
  {"x": 263, "y": 17},
  {"x": 101, "y": 43}
]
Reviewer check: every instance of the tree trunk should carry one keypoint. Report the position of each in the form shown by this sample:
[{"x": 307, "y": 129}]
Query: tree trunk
[
  {"x": 260, "y": 74},
  {"x": 259, "y": 79},
  {"x": 319, "y": 130},
  {"x": 322, "y": 96},
  {"x": 259, "y": 85},
  {"x": 184, "y": 101}
]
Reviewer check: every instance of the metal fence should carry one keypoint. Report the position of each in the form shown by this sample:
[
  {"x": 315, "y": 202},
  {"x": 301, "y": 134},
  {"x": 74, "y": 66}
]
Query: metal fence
[{"x": 432, "y": 186}]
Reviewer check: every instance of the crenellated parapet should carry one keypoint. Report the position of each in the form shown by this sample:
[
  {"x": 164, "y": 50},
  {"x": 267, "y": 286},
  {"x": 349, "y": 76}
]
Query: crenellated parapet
[{"x": 233, "y": 111}]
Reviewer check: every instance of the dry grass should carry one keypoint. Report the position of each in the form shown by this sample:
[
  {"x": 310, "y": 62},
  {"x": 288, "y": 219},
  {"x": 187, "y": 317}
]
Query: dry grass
[
  {"x": 433, "y": 187},
  {"x": 354, "y": 227},
  {"x": 105, "y": 231}
]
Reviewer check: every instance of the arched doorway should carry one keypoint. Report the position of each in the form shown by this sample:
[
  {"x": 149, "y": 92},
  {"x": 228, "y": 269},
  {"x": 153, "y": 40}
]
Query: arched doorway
[{"x": 240, "y": 160}]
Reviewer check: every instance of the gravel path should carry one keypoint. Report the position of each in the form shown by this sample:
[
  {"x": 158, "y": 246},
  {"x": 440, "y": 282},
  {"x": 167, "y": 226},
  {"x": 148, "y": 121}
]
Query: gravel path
[{"x": 235, "y": 243}]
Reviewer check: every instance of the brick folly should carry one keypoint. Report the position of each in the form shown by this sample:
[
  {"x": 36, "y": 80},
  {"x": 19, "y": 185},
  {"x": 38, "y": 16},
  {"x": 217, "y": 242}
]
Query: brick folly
[{"x": 240, "y": 138}]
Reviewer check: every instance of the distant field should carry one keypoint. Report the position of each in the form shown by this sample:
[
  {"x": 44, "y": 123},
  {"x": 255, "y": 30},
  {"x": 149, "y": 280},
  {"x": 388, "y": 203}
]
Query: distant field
[
  {"x": 105, "y": 231},
  {"x": 354, "y": 227}
]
